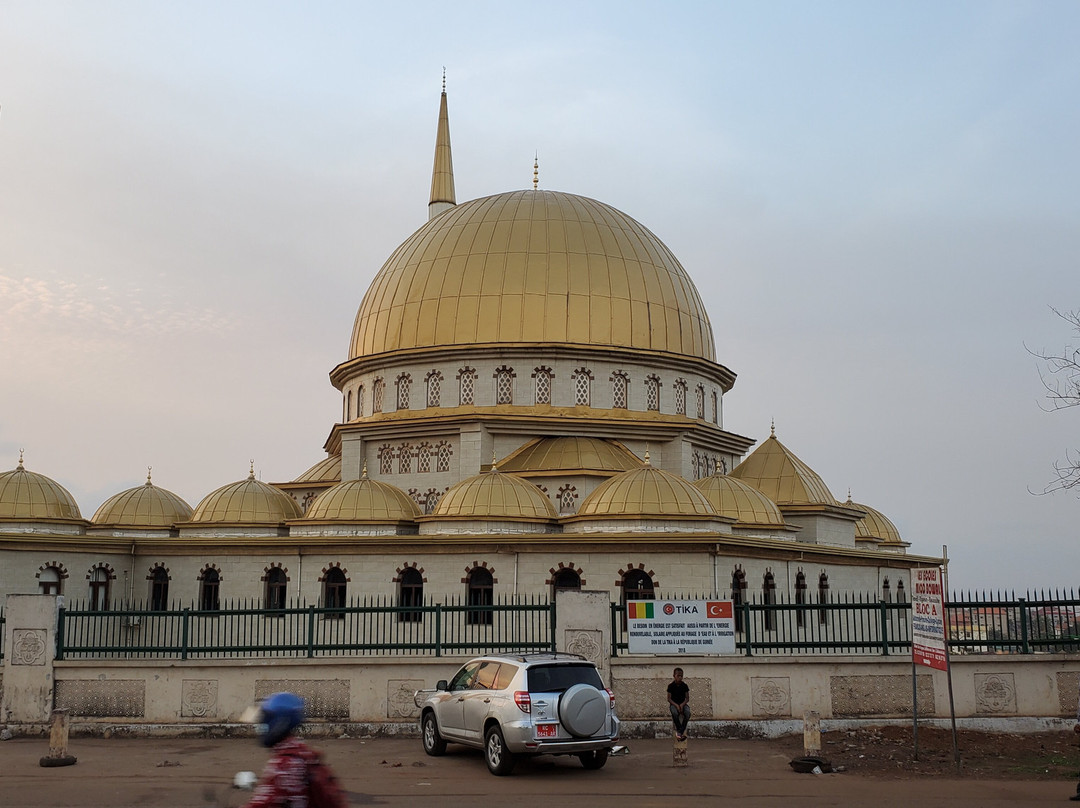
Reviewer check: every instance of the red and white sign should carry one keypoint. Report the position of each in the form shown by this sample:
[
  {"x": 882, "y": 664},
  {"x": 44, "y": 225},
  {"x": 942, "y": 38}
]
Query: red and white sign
[
  {"x": 681, "y": 627},
  {"x": 928, "y": 638}
]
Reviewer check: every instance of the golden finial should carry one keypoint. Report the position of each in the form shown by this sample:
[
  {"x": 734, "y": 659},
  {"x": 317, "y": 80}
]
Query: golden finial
[
  {"x": 21, "y": 458},
  {"x": 444, "y": 79},
  {"x": 494, "y": 457},
  {"x": 148, "y": 470},
  {"x": 772, "y": 428},
  {"x": 363, "y": 471},
  {"x": 251, "y": 471},
  {"x": 536, "y": 171},
  {"x": 648, "y": 462}
]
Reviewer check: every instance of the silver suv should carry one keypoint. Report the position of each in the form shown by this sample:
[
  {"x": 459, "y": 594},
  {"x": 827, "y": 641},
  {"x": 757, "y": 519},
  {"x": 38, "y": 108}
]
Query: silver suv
[{"x": 522, "y": 704}]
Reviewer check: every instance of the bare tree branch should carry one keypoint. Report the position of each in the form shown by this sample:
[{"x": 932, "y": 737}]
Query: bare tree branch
[{"x": 1060, "y": 375}]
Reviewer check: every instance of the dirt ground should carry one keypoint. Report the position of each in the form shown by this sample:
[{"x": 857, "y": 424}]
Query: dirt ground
[{"x": 877, "y": 768}]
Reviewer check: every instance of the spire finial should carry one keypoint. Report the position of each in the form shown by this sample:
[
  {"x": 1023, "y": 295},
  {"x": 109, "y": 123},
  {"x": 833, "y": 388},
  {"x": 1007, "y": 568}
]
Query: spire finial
[
  {"x": 444, "y": 80},
  {"x": 494, "y": 458},
  {"x": 648, "y": 461},
  {"x": 363, "y": 471},
  {"x": 251, "y": 471},
  {"x": 443, "y": 196},
  {"x": 772, "y": 428},
  {"x": 148, "y": 470},
  {"x": 536, "y": 171},
  {"x": 21, "y": 459}
]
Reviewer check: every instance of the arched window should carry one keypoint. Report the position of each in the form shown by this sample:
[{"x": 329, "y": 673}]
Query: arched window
[
  {"x": 159, "y": 589},
  {"x": 565, "y": 579},
  {"x": 411, "y": 594},
  {"x": 699, "y": 399},
  {"x": 404, "y": 384},
  {"x": 567, "y": 497},
  {"x": 652, "y": 392},
  {"x": 715, "y": 408},
  {"x": 431, "y": 500},
  {"x": 800, "y": 599},
  {"x": 680, "y": 396},
  {"x": 277, "y": 584},
  {"x": 210, "y": 590},
  {"x": 542, "y": 377},
  {"x": 637, "y": 585},
  {"x": 695, "y": 465},
  {"x": 738, "y": 595},
  {"x": 99, "y": 589},
  {"x": 466, "y": 386},
  {"x": 50, "y": 581},
  {"x": 901, "y": 596},
  {"x": 620, "y": 389},
  {"x": 434, "y": 388},
  {"x": 334, "y": 590},
  {"x": 405, "y": 459},
  {"x": 582, "y": 387},
  {"x": 768, "y": 598},
  {"x": 348, "y": 405},
  {"x": 360, "y": 401},
  {"x": 423, "y": 457},
  {"x": 444, "y": 452},
  {"x": 378, "y": 387},
  {"x": 479, "y": 592},
  {"x": 823, "y": 597},
  {"x": 504, "y": 385},
  {"x": 386, "y": 459}
]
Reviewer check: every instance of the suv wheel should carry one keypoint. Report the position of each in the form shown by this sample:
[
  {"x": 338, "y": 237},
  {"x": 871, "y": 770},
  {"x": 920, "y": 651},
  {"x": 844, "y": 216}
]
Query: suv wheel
[
  {"x": 499, "y": 759},
  {"x": 595, "y": 759},
  {"x": 433, "y": 742}
]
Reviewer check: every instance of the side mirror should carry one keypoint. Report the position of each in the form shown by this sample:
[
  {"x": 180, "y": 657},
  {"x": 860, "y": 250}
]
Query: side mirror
[{"x": 442, "y": 684}]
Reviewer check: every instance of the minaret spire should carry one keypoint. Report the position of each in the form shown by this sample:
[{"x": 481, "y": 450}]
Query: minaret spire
[{"x": 442, "y": 173}]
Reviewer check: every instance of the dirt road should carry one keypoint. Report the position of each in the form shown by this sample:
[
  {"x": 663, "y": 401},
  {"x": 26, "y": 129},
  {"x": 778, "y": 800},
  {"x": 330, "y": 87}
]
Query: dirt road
[{"x": 124, "y": 773}]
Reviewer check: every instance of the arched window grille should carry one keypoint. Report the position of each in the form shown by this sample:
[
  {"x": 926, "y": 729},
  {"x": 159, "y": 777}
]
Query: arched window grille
[
  {"x": 567, "y": 498},
  {"x": 159, "y": 589},
  {"x": 377, "y": 388},
  {"x": 431, "y": 500},
  {"x": 479, "y": 592},
  {"x": 542, "y": 377},
  {"x": 348, "y": 405},
  {"x": 360, "y": 401},
  {"x": 405, "y": 459},
  {"x": 434, "y": 388},
  {"x": 620, "y": 389},
  {"x": 652, "y": 392},
  {"x": 423, "y": 457},
  {"x": 444, "y": 452},
  {"x": 386, "y": 459},
  {"x": 334, "y": 590},
  {"x": 504, "y": 385},
  {"x": 466, "y": 386},
  {"x": 699, "y": 399},
  {"x": 404, "y": 385},
  {"x": 411, "y": 595},
  {"x": 715, "y": 408},
  {"x": 695, "y": 464},
  {"x": 277, "y": 583},
  {"x": 583, "y": 379},
  {"x": 210, "y": 590},
  {"x": 680, "y": 397}
]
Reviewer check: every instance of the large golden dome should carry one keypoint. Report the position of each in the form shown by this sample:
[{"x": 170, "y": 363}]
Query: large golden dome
[
  {"x": 28, "y": 495},
  {"x": 777, "y": 473},
  {"x": 742, "y": 502},
  {"x": 494, "y": 495},
  {"x": 579, "y": 454},
  {"x": 248, "y": 501},
  {"x": 363, "y": 500},
  {"x": 529, "y": 267},
  {"x": 646, "y": 492},
  {"x": 146, "y": 505}
]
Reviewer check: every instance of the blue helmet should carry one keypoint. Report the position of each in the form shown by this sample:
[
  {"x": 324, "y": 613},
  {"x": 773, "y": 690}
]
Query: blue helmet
[{"x": 280, "y": 714}]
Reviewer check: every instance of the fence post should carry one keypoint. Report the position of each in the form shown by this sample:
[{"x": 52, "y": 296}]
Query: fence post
[
  {"x": 883, "y": 609},
  {"x": 1025, "y": 648},
  {"x": 746, "y": 626},
  {"x": 553, "y": 630},
  {"x": 60, "y": 631},
  {"x": 311, "y": 631},
  {"x": 614, "y": 632},
  {"x": 184, "y": 628},
  {"x": 438, "y": 629}
]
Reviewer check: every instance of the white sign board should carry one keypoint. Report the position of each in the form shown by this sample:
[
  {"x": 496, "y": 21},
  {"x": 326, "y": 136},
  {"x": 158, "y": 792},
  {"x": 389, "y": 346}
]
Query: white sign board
[
  {"x": 928, "y": 619},
  {"x": 680, "y": 626}
]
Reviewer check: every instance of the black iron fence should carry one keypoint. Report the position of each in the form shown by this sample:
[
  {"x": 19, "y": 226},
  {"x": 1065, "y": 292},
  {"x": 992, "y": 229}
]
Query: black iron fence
[
  {"x": 371, "y": 626},
  {"x": 853, "y": 623},
  {"x": 3, "y": 632}
]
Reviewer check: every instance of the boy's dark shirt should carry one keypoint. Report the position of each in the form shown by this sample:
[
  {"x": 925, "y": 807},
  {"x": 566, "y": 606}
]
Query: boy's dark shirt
[{"x": 678, "y": 691}]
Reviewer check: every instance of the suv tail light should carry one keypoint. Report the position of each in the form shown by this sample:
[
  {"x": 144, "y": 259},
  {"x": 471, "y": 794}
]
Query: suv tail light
[
  {"x": 611, "y": 698},
  {"x": 523, "y": 700}
]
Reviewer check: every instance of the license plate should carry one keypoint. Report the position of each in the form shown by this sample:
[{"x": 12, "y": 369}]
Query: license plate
[{"x": 547, "y": 730}]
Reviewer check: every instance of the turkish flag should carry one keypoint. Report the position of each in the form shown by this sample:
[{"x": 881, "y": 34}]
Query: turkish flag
[{"x": 715, "y": 608}]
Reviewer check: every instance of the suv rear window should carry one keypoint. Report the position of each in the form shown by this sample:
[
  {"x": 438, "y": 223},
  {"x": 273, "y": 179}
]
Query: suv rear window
[{"x": 557, "y": 678}]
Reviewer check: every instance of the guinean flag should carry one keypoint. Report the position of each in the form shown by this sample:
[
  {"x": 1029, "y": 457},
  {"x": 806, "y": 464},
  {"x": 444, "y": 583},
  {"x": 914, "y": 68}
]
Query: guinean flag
[{"x": 640, "y": 611}]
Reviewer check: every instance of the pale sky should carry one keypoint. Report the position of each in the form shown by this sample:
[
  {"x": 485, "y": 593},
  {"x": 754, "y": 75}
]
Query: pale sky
[{"x": 878, "y": 203}]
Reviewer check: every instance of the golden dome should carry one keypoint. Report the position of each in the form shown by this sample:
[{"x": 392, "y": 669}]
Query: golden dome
[
  {"x": 494, "y": 495},
  {"x": 28, "y": 495},
  {"x": 875, "y": 526},
  {"x": 570, "y": 454},
  {"x": 249, "y": 501},
  {"x": 646, "y": 491},
  {"x": 327, "y": 470},
  {"x": 532, "y": 267},
  {"x": 143, "y": 506},
  {"x": 739, "y": 501},
  {"x": 363, "y": 500},
  {"x": 777, "y": 473}
]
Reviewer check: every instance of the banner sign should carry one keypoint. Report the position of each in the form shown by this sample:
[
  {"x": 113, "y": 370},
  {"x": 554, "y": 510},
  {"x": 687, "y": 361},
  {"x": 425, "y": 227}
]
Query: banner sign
[
  {"x": 680, "y": 626},
  {"x": 928, "y": 620}
]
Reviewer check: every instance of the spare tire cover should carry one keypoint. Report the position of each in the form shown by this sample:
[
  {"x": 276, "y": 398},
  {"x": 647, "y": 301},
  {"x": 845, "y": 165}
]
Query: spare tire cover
[{"x": 583, "y": 710}]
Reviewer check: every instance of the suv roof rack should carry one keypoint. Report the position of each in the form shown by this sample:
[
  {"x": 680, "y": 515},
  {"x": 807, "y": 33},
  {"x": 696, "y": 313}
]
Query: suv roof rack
[{"x": 527, "y": 656}]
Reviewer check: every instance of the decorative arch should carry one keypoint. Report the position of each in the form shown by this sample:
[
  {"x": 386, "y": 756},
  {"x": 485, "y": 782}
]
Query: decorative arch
[
  {"x": 479, "y": 583},
  {"x": 159, "y": 578},
  {"x": 410, "y": 580},
  {"x": 276, "y": 586},
  {"x": 51, "y": 577},
  {"x": 210, "y": 588}
]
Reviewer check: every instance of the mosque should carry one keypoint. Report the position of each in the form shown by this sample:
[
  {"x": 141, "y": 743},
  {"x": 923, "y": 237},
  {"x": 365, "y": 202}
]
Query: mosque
[{"x": 531, "y": 402}]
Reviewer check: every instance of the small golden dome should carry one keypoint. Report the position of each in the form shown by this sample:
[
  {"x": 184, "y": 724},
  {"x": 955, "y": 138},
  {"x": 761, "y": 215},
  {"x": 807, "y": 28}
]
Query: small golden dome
[
  {"x": 494, "y": 495},
  {"x": 532, "y": 267},
  {"x": 363, "y": 500},
  {"x": 28, "y": 495},
  {"x": 646, "y": 491},
  {"x": 570, "y": 454},
  {"x": 143, "y": 506},
  {"x": 327, "y": 470},
  {"x": 777, "y": 473},
  {"x": 248, "y": 501},
  {"x": 875, "y": 526},
  {"x": 737, "y": 500}
]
